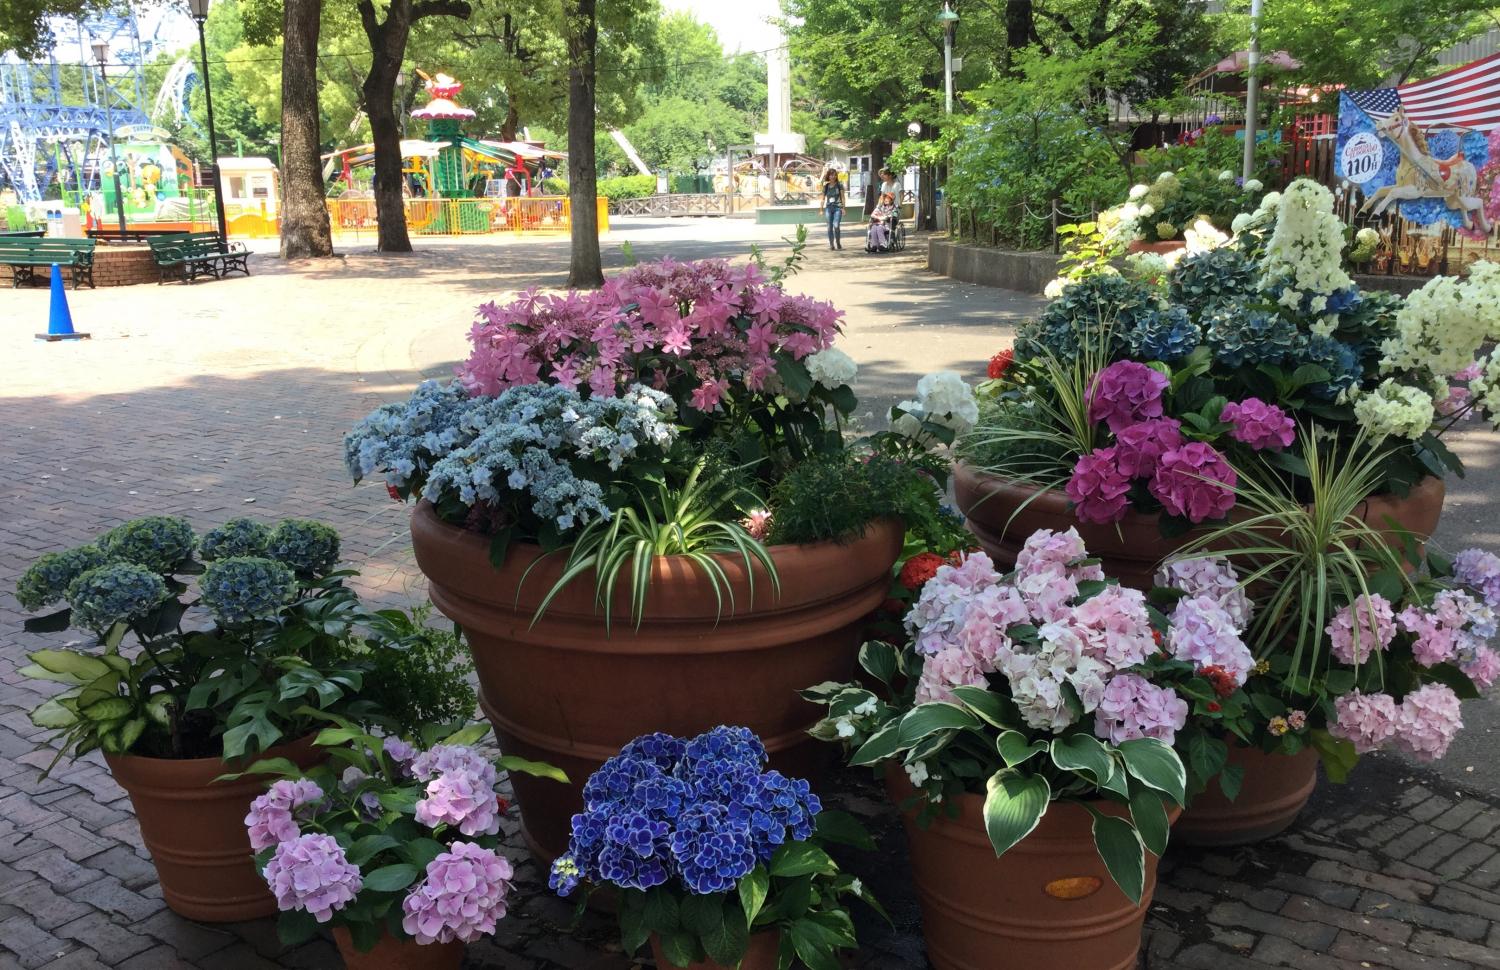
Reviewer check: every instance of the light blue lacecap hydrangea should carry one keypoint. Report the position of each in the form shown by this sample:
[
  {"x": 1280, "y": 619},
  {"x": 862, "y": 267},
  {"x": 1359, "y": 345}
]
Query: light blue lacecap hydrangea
[
  {"x": 161, "y": 543},
  {"x": 310, "y": 548},
  {"x": 403, "y": 440},
  {"x": 115, "y": 591},
  {"x": 245, "y": 588},
  {"x": 237, "y": 537},
  {"x": 46, "y": 581}
]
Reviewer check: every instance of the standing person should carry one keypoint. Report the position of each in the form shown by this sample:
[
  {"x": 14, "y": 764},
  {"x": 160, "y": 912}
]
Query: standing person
[
  {"x": 889, "y": 187},
  {"x": 833, "y": 207}
]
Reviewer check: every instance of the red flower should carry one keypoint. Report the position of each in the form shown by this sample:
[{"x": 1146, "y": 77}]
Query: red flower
[
  {"x": 1000, "y": 363},
  {"x": 504, "y": 804},
  {"x": 1213, "y": 707},
  {"x": 1222, "y": 681},
  {"x": 919, "y": 569},
  {"x": 391, "y": 491}
]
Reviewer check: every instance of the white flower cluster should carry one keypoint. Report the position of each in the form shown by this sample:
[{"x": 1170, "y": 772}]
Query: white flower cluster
[
  {"x": 1395, "y": 410},
  {"x": 1441, "y": 327},
  {"x": 1201, "y": 237},
  {"x": 1486, "y": 387},
  {"x": 1305, "y": 252},
  {"x": 831, "y": 368},
  {"x": 943, "y": 399}
]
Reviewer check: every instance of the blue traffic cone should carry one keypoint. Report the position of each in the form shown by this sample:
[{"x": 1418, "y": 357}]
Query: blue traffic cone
[{"x": 60, "y": 319}]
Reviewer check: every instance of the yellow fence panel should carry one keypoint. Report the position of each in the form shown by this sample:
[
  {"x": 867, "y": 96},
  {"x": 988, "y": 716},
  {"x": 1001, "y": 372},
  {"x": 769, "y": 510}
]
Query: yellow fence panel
[{"x": 467, "y": 217}]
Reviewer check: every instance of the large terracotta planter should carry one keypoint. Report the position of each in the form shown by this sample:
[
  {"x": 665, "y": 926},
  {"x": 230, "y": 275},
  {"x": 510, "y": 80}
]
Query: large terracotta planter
[
  {"x": 761, "y": 954},
  {"x": 194, "y": 828},
  {"x": 1048, "y": 902},
  {"x": 1159, "y": 248},
  {"x": 393, "y": 954},
  {"x": 1002, "y": 514},
  {"x": 1274, "y": 790},
  {"x": 563, "y": 692}
]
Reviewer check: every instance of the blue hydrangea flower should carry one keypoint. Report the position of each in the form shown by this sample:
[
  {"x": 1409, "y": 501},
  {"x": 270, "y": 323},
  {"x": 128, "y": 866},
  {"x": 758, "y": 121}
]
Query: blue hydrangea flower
[
  {"x": 713, "y": 854},
  {"x": 1338, "y": 358},
  {"x": 1166, "y": 336},
  {"x": 237, "y": 537},
  {"x": 46, "y": 581},
  {"x": 115, "y": 591},
  {"x": 1344, "y": 301},
  {"x": 161, "y": 543},
  {"x": 245, "y": 588},
  {"x": 310, "y": 548},
  {"x": 1095, "y": 305},
  {"x": 1204, "y": 282},
  {"x": 1242, "y": 338},
  {"x": 563, "y": 878}
]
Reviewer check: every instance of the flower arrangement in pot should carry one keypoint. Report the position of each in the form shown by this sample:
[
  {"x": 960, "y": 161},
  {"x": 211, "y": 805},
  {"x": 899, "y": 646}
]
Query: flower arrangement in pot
[
  {"x": 1034, "y": 714},
  {"x": 206, "y": 651},
  {"x": 1239, "y": 345},
  {"x": 1159, "y": 213},
  {"x": 715, "y": 860},
  {"x": 396, "y": 847},
  {"x": 619, "y": 497}
]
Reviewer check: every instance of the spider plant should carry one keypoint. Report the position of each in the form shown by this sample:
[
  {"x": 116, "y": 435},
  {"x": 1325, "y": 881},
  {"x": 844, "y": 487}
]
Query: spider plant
[
  {"x": 681, "y": 521},
  {"x": 1300, "y": 561}
]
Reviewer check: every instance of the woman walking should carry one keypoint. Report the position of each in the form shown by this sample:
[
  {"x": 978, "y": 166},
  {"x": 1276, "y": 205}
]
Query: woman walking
[{"x": 833, "y": 207}]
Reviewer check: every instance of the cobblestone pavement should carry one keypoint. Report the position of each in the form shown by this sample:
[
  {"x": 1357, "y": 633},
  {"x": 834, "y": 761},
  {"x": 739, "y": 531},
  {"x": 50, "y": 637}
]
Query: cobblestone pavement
[{"x": 231, "y": 398}]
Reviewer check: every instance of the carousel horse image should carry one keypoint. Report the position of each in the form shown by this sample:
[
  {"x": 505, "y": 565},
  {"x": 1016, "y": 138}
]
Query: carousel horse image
[{"x": 1420, "y": 176}]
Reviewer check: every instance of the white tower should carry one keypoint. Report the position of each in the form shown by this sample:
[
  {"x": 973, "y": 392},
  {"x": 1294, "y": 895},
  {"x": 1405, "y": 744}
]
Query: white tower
[{"x": 781, "y": 138}]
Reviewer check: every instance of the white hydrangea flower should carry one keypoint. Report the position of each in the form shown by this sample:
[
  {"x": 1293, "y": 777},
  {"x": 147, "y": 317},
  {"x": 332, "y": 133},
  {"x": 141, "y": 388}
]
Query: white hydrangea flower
[
  {"x": 1305, "y": 251},
  {"x": 832, "y": 368},
  {"x": 1147, "y": 211},
  {"x": 1054, "y": 289},
  {"x": 1202, "y": 236},
  {"x": 1226, "y": 176},
  {"x": 1253, "y": 185},
  {"x": 1395, "y": 410},
  {"x": 1167, "y": 177},
  {"x": 1137, "y": 191},
  {"x": 947, "y": 400},
  {"x": 1441, "y": 327},
  {"x": 1238, "y": 224}
]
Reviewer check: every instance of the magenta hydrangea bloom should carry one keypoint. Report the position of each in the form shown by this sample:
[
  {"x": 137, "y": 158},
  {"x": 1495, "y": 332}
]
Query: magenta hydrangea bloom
[
  {"x": 1139, "y": 447},
  {"x": 1133, "y": 707},
  {"x": 1428, "y": 720},
  {"x": 1361, "y": 628},
  {"x": 273, "y": 816},
  {"x": 312, "y": 873},
  {"x": 1366, "y": 721},
  {"x": 1259, "y": 425},
  {"x": 1196, "y": 482},
  {"x": 1098, "y": 488},
  {"x": 1125, "y": 393},
  {"x": 461, "y": 898},
  {"x": 1480, "y": 570},
  {"x": 1205, "y": 635}
]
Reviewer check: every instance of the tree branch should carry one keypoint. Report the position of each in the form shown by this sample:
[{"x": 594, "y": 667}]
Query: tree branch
[
  {"x": 441, "y": 8},
  {"x": 367, "y": 19}
]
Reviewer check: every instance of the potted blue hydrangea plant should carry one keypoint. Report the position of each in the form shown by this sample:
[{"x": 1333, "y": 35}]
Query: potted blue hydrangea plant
[{"x": 716, "y": 861}]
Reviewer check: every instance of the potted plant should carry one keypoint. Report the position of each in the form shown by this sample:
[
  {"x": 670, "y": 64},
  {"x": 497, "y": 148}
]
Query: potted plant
[
  {"x": 1026, "y": 730},
  {"x": 396, "y": 848},
  {"x": 715, "y": 860},
  {"x": 1208, "y": 377},
  {"x": 624, "y": 498},
  {"x": 176, "y": 688}
]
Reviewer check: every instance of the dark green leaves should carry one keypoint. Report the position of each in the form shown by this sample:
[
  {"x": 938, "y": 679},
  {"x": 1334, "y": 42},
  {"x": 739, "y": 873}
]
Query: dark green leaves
[
  {"x": 1157, "y": 765},
  {"x": 926, "y": 719},
  {"x": 1120, "y": 847},
  {"x": 389, "y": 879}
]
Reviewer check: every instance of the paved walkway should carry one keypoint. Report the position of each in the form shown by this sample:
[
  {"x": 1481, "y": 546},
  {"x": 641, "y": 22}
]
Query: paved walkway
[{"x": 231, "y": 398}]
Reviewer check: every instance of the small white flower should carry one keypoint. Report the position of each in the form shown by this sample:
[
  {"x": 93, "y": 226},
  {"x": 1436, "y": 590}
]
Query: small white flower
[
  {"x": 917, "y": 773},
  {"x": 1226, "y": 176},
  {"x": 1148, "y": 210},
  {"x": 1166, "y": 177},
  {"x": 844, "y": 727},
  {"x": 856, "y": 887},
  {"x": 867, "y": 708}
]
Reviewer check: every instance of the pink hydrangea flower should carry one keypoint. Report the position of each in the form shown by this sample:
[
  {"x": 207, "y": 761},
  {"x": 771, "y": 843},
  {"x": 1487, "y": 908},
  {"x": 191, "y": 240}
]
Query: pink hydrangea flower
[
  {"x": 462, "y": 799},
  {"x": 1211, "y": 576},
  {"x": 1125, "y": 393},
  {"x": 1139, "y": 447},
  {"x": 1432, "y": 642},
  {"x": 1483, "y": 668},
  {"x": 462, "y": 896},
  {"x": 1196, "y": 482},
  {"x": 1133, "y": 707},
  {"x": 1480, "y": 570},
  {"x": 948, "y": 668},
  {"x": 1115, "y": 627},
  {"x": 1204, "y": 634},
  {"x": 445, "y": 758},
  {"x": 964, "y": 607},
  {"x": 1366, "y": 721},
  {"x": 1454, "y": 401},
  {"x": 1258, "y": 424},
  {"x": 1098, "y": 488},
  {"x": 1046, "y": 551},
  {"x": 312, "y": 873},
  {"x": 273, "y": 816},
  {"x": 1360, "y": 628},
  {"x": 1428, "y": 720}
]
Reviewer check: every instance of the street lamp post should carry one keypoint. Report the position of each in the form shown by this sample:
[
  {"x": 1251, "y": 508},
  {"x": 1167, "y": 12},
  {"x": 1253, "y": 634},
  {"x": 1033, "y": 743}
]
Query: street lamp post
[
  {"x": 101, "y": 54},
  {"x": 948, "y": 18},
  {"x": 1252, "y": 90},
  {"x": 199, "y": 9}
]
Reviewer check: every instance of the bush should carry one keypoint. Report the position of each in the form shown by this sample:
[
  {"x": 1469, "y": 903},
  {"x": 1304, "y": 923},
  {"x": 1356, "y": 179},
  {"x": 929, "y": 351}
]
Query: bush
[
  {"x": 421, "y": 674},
  {"x": 555, "y": 186},
  {"x": 628, "y": 187}
]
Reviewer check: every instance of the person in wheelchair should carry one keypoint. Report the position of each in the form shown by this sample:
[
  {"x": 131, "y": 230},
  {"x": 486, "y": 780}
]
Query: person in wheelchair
[{"x": 885, "y": 233}]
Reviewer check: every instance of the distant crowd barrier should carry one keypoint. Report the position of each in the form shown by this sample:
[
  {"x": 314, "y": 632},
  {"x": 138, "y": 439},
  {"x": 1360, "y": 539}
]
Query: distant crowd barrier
[{"x": 467, "y": 217}]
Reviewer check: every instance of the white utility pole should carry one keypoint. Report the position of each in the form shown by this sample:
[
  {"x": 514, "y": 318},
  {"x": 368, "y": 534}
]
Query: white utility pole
[{"x": 1252, "y": 89}]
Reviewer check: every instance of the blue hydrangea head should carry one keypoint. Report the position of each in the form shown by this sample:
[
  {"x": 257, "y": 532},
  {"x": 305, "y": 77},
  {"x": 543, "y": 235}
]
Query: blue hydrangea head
[
  {"x": 564, "y": 877},
  {"x": 727, "y": 744},
  {"x": 1166, "y": 336},
  {"x": 237, "y": 537},
  {"x": 114, "y": 592},
  {"x": 243, "y": 589},
  {"x": 1344, "y": 301},
  {"x": 1098, "y": 304},
  {"x": 46, "y": 581},
  {"x": 712, "y": 851},
  {"x": 1206, "y": 281},
  {"x": 1338, "y": 358},
  {"x": 663, "y": 749},
  {"x": 310, "y": 548},
  {"x": 161, "y": 543},
  {"x": 1240, "y": 337}
]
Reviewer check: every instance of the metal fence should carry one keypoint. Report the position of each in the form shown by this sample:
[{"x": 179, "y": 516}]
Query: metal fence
[{"x": 466, "y": 217}]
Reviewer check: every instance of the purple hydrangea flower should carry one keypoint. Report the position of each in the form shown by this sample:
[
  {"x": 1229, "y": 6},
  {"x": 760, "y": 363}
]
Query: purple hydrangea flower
[
  {"x": 1126, "y": 392},
  {"x": 1259, "y": 425},
  {"x": 1133, "y": 707},
  {"x": 1196, "y": 482},
  {"x": 1480, "y": 570},
  {"x": 400, "y": 752},
  {"x": 1098, "y": 488},
  {"x": 273, "y": 816},
  {"x": 312, "y": 873},
  {"x": 461, "y": 898},
  {"x": 462, "y": 798},
  {"x": 1211, "y": 576},
  {"x": 1205, "y": 635},
  {"x": 1139, "y": 447}
]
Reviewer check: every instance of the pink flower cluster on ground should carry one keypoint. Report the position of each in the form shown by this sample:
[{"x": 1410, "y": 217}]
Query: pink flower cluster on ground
[
  {"x": 460, "y": 790},
  {"x": 1259, "y": 425},
  {"x": 1423, "y": 724},
  {"x": 311, "y": 873},
  {"x": 1126, "y": 392},
  {"x": 273, "y": 815},
  {"x": 1360, "y": 628},
  {"x": 700, "y": 329},
  {"x": 461, "y": 898},
  {"x": 1133, "y": 707}
]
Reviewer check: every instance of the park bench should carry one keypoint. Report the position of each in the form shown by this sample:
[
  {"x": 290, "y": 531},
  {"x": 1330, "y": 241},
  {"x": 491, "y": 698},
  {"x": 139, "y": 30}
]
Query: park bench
[
  {"x": 22, "y": 233},
  {"x": 188, "y": 255},
  {"x": 24, "y": 254},
  {"x": 132, "y": 233}
]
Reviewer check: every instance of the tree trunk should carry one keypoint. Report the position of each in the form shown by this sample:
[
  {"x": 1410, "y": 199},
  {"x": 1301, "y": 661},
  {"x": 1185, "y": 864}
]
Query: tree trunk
[
  {"x": 1020, "y": 30},
  {"x": 586, "y": 269},
  {"x": 388, "y": 46},
  {"x": 512, "y": 123},
  {"x": 304, "y": 215}
]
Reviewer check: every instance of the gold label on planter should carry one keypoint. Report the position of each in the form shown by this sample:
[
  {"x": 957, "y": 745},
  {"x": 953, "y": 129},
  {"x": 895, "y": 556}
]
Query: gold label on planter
[{"x": 1073, "y": 887}]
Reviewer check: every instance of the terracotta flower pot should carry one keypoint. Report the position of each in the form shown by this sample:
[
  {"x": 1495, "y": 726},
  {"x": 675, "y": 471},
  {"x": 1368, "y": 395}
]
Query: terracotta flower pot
[
  {"x": 1002, "y": 514},
  {"x": 761, "y": 954},
  {"x": 563, "y": 692},
  {"x": 1159, "y": 248},
  {"x": 393, "y": 954},
  {"x": 1274, "y": 790},
  {"x": 194, "y": 828},
  {"x": 1048, "y": 902}
]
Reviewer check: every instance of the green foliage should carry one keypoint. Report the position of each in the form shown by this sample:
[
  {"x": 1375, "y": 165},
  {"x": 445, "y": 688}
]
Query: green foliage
[
  {"x": 420, "y": 674},
  {"x": 838, "y": 496},
  {"x": 627, "y": 187}
]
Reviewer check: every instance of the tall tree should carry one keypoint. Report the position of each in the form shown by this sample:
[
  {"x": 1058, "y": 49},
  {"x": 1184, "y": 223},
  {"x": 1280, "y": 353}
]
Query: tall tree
[
  {"x": 585, "y": 267},
  {"x": 388, "y": 39},
  {"x": 305, "y": 231}
]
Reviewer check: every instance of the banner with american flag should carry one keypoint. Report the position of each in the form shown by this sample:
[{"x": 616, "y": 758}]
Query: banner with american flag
[{"x": 1465, "y": 97}]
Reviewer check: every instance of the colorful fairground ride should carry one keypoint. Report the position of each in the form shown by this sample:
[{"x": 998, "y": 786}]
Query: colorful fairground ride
[{"x": 455, "y": 184}]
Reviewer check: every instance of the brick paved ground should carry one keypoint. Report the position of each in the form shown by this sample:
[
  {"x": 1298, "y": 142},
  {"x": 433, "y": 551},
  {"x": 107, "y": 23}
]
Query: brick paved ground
[{"x": 230, "y": 398}]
